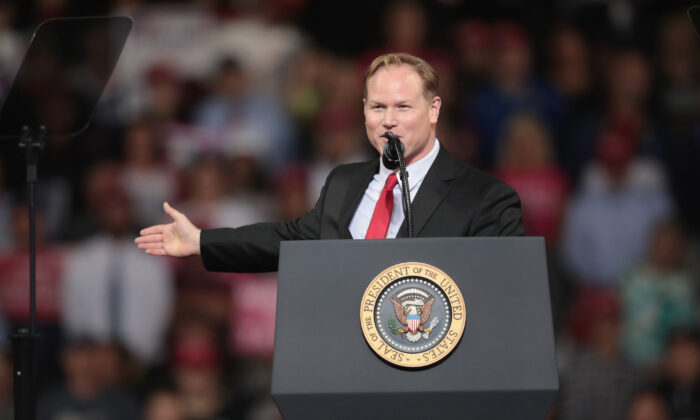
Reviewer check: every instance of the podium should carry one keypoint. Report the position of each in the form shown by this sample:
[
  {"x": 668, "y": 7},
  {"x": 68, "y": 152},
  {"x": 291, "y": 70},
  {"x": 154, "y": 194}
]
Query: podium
[{"x": 502, "y": 368}]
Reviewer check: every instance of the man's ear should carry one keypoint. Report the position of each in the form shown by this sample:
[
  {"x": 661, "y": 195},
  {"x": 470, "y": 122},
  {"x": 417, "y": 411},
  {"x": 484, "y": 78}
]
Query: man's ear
[{"x": 435, "y": 109}]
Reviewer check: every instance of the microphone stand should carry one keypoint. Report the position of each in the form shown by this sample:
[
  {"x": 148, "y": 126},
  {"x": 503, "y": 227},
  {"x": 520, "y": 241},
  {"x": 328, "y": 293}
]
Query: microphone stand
[
  {"x": 23, "y": 341},
  {"x": 395, "y": 143}
]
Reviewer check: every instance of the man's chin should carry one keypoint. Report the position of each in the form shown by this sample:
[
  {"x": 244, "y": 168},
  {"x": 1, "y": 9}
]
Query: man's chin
[{"x": 379, "y": 146}]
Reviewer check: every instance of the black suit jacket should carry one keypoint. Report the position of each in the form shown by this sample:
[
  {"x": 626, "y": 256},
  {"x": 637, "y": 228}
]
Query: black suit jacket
[{"x": 454, "y": 199}]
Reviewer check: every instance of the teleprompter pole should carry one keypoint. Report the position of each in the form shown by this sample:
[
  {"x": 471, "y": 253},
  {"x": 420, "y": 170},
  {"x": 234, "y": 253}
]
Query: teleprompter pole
[{"x": 24, "y": 340}]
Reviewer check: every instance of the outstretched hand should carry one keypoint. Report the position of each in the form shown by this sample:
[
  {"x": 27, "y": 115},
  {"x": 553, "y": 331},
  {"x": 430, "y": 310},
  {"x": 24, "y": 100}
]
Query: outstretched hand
[{"x": 177, "y": 239}]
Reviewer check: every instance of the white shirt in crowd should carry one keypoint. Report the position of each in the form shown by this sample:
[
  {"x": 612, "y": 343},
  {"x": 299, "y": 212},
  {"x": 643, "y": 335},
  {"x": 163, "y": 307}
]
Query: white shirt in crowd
[{"x": 145, "y": 295}]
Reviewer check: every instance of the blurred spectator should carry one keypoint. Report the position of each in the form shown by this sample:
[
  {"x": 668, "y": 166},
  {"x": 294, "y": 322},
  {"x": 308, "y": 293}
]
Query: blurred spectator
[
  {"x": 211, "y": 201},
  {"x": 10, "y": 46},
  {"x": 473, "y": 42},
  {"x": 680, "y": 377},
  {"x": 514, "y": 88},
  {"x": 293, "y": 198},
  {"x": 252, "y": 321},
  {"x": 571, "y": 72},
  {"x": 84, "y": 395},
  {"x": 198, "y": 373},
  {"x": 616, "y": 152},
  {"x": 164, "y": 405},
  {"x": 110, "y": 290},
  {"x": 181, "y": 34},
  {"x": 628, "y": 92},
  {"x": 337, "y": 139},
  {"x": 115, "y": 366},
  {"x": 342, "y": 86},
  {"x": 647, "y": 405},
  {"x": 678, "y": 61},
  {"x": 658, "y": 296},
  {"x": 164, "y": 93},
  {"x": 570, "y": 65},
  {"x": 599, "y": 382},
  {"x": 148, "y": 179},
  {"x": 209, "y": 197},
  {"x": 303, "y": 89},
  {"x": 406, "y": 28},
  {"x": 246, "y": 123},
  {"x": 266, "y": 61},
  {"x": 624, "y": 110},
  {"x": 173, "y": 38},
  {"x": 526, "y": 163},
  {"x": 611, "y": 217}
]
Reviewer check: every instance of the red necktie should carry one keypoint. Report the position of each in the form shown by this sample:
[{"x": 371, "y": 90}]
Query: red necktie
[{"x": 382, "y": 211}]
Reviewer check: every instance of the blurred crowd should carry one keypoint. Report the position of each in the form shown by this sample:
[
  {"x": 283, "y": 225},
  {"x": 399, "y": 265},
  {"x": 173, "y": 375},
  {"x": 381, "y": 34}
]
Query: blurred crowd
[{"x": 234, "y": 111}]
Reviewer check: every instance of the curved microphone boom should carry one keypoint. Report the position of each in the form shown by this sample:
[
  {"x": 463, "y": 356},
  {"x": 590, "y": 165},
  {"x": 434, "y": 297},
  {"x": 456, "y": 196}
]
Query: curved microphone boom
[
  {"x": 393, "y": 158},
  {"x": 390, "y": 157}
]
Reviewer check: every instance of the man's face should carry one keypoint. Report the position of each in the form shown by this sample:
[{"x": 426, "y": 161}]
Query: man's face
[{"x": 396, "y": 102}]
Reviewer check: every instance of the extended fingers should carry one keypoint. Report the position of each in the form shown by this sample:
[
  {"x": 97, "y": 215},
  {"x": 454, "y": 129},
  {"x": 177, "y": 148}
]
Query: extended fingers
[
  {"x": 151, "y": 245},
  {"x": 156, "y": 237},
  {"x": 157, "y": 229},
  {"x": 159, "y": 251}
]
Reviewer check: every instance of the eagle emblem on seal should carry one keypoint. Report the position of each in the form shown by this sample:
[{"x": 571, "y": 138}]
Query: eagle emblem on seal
[{"x": 412, "y": 307}]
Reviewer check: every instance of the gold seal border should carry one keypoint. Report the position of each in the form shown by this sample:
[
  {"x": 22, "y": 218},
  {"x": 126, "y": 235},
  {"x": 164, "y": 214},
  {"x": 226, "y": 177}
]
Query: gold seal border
[{"x": 368, "y": 321}]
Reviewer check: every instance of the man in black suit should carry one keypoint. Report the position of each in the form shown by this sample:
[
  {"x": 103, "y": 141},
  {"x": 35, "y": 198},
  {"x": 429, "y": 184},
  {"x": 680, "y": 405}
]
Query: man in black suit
[{"x": 449, "y": 198}]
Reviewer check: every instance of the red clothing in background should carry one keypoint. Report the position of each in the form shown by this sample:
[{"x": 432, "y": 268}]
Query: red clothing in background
[
  {"x": 543, "y": 193},
  {"x": 14, "y": 285}
]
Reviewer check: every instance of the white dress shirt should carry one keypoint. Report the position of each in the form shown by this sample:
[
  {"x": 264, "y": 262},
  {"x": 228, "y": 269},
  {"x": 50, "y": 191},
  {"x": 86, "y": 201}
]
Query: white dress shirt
[{"x": 416, "y": 174}]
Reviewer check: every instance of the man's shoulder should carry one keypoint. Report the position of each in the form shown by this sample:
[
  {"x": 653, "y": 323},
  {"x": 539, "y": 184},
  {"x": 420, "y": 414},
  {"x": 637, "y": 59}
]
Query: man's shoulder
[
  {"x": 482, "y": 179},
  {"x": 354, "y": 169},
  {"x": 470, "y": 177}
]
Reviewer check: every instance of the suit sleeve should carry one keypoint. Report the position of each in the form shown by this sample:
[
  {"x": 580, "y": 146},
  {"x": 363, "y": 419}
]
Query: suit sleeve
[
  {"x": 499, "y": 213},
  {"x": 255, "y": 248}
]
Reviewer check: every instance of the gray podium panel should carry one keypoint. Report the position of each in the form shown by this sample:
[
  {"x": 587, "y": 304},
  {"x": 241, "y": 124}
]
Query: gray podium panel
[{"x": 503, "y": 368}]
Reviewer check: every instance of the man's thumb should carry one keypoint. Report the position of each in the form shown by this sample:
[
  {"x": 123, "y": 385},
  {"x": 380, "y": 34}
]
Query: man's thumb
[{"x": 171, "y": 211}]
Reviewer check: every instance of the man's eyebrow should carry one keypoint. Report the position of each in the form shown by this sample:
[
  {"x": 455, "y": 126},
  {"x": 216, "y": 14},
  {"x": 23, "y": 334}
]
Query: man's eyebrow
[{"x": 400, "y": 102}]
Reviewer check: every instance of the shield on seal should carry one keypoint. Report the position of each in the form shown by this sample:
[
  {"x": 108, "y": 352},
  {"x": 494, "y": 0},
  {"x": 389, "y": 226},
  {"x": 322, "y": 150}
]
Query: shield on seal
[{"x": 413, "y": 322}]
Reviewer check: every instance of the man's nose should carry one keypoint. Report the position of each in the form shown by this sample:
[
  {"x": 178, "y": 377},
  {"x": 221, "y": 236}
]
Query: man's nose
[{"x": 389, "y": 118}]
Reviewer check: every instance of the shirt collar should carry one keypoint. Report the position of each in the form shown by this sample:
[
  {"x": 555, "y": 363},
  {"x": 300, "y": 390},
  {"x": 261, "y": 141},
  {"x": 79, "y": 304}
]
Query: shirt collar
[{"x": 416, "y": 170}]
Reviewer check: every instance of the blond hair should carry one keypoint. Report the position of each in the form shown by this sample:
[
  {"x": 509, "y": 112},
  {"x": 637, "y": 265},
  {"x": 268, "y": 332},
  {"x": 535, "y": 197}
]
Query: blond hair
[{"x": 425, "y": 71}]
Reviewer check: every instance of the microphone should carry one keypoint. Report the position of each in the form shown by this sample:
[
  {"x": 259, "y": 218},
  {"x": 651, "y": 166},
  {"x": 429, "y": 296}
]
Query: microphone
[
  {"x": 390, "y": 158},
  {"x": 393, "y": 158}
]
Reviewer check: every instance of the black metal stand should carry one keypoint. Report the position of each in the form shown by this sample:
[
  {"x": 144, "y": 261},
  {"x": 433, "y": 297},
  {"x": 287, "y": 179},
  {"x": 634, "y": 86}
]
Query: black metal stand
[
  {"x": 23, "y": 341},
  {"x": 60, "y": 44},
  {"x": 406, "y": 192},
  {"x": 393, "y": 158}
]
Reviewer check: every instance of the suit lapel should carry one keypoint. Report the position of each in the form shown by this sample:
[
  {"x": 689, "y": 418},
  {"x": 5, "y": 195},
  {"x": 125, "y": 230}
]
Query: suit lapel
[
  {"x": 435, "y": 186},
  {"x": 355, "y": 189}
]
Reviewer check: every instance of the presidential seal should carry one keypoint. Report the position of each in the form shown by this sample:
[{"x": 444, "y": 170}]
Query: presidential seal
[{"x": 412, "y": 315}]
